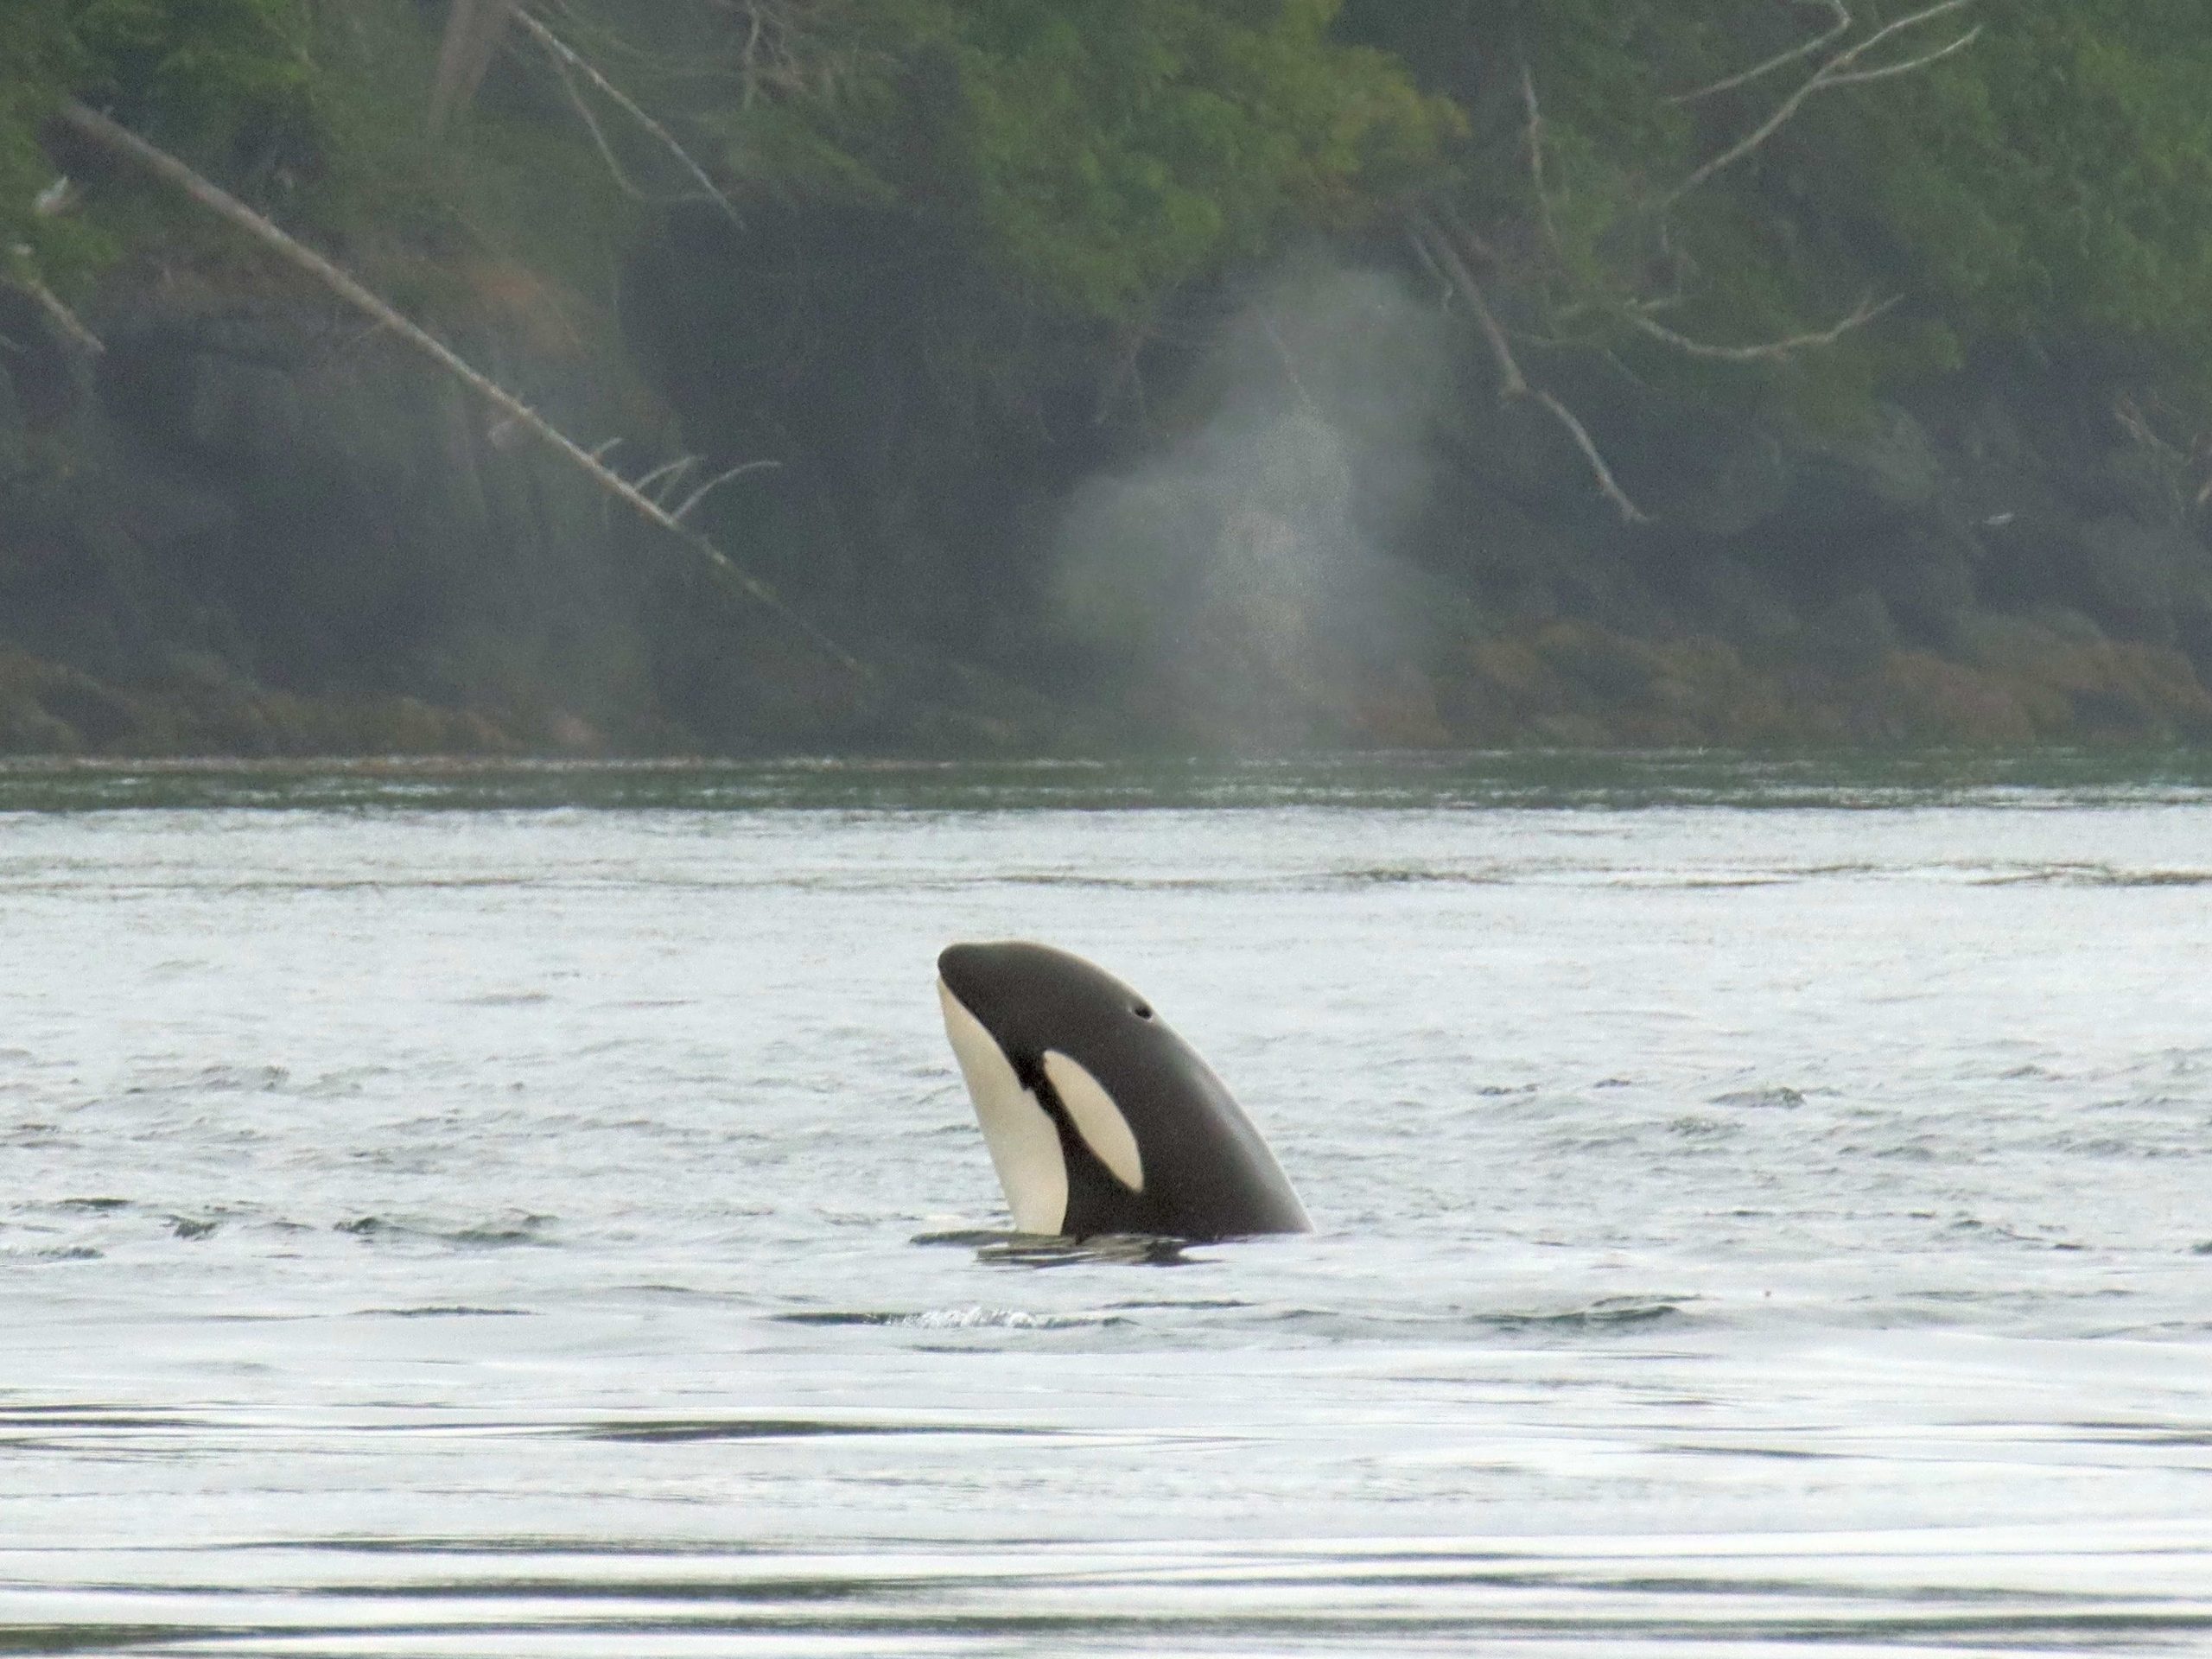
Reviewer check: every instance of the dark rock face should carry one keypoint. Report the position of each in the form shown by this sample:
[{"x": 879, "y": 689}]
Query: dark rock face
[
  {"x": 13, "y": 455},
  {"x": 251, "y": 528}
]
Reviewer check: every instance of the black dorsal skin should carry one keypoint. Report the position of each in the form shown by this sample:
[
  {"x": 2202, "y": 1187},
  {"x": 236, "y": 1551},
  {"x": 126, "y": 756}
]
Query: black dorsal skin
[{"x": 1206, "y": 1172}]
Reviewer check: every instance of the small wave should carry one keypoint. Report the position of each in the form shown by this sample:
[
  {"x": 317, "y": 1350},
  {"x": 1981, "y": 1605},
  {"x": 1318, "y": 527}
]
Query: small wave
[
  {"x": 682, "y": 1430},
  {"x": 217, "y": 1079},
  {"x": 1352, "y": 1324},
  {"x": 1040, "y": 1250},
  {"x": 90, "y": 1416},
  {"x": 2096, "y": 875},
  {"x": 529, "y": 1230},
  {"x": 446, "y": 1311},
  {"x": 1777, "y": 1096},
  {"x": 1612, "y": 1313},
  {"x": 956, "y": 1318},
  {"x": 1148, "y": 883},
  {"x": 1119, "y": 1249},
  {"x": 524, "y": 1229},
  {"x": 2037, "y": 1239},
  {"x": 1410, "y": 875}
]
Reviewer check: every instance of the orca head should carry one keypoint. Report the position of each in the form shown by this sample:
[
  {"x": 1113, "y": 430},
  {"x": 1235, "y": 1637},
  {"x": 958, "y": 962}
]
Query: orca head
[
  {"x": 1023, "y": 1020},
  {"x": 1031, "y": 996}
]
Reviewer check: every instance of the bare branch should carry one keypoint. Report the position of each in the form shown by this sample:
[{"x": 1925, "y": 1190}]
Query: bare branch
[
  {"x": 119, "y": 140},
  {"x": 668, "y": 475},
  {"x": 65, "y": 322},
  {"x": 1435, "y": 248},
  {"x": 1642, "y": 321},
  {"x": 1860, "y": 77},
  {"x": 750, "y": 57},
  {"x": 1536, "y": 157},
  {"x": 614, "y": 167},
  {"x": 1839, "y": 71},
  {"x": 71, "y": 325},
  {"x": 57, "y": 198},
  {"x": 1418, "y": 244},
  {"x": 721, "y": 478},
  {"x": 565, "y": 58},
  {"x": 1125, "y": 370},
  {"x": 1805, "y": 48},
  {"x": 1289, "y": 365},
  {"x": 1511, "y": 382},
  {"x": 1630, "y": 513}
]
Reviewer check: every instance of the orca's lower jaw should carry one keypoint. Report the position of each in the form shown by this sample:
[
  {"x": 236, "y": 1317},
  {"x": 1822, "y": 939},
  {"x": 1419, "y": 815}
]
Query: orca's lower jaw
[{"x": 1022, "y": 1138}]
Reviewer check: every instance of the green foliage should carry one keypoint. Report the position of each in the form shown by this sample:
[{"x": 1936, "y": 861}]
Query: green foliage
[
  {"x": 38, "y": 60},
  {"x": 2058, "y": 179},
  {"x": 185, "y": 70},
  {"x": 2052, "y": 181},
  {"x": 518, "y": 186},
  {"x": 1102, "y": 155},
  {"x": 193, "y": 75},
  {"x": 1113, "y": 152}
]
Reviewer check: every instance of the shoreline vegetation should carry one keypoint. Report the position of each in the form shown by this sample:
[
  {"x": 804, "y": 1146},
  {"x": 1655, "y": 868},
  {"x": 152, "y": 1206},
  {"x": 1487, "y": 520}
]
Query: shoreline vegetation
[{"x": 1000, "y": 377}]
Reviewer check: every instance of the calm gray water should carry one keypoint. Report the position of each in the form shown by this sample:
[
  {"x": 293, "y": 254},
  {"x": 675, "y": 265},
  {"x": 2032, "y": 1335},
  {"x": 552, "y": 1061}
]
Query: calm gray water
[{"x": 534, "y": 1212}]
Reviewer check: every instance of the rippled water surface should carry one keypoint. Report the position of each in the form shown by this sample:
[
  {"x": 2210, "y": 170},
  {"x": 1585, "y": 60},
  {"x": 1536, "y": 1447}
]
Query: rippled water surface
[{"x": 534, "y": 1211}]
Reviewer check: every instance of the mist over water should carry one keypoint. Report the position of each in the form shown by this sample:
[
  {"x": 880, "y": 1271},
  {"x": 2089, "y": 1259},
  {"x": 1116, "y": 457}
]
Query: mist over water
[
  {"x": 1242, "y": 578},
  {"x": 532, "y": 1212}
]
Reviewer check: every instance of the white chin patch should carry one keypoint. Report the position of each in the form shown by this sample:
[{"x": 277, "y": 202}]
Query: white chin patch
[
  {"x": 1024, "y": 1147},
  {"x": 1097, "y": 1119}
]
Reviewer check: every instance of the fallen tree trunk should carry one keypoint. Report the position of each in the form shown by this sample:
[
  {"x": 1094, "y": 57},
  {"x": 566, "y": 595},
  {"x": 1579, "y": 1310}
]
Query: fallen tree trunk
[{"x": 91, "y": 124}]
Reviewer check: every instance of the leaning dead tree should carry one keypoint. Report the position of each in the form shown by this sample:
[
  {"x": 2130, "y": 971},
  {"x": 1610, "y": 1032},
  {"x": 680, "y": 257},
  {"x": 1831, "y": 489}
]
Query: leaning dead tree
[
  {"x": 1826, "y": 60},
  {"x": 118, "y": 140}
]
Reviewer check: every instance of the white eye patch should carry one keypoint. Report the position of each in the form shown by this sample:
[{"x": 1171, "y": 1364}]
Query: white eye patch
[
  {"x": 1024, "y": 1147},
  {"x": 1097, "y": 1119}
]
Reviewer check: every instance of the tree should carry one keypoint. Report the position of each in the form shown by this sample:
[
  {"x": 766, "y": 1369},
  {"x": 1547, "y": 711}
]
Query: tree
[
  {"x": 1099, "y": 156},
  {"x": 196, "y": 73},
  {"x": 1647, "y": 175}
]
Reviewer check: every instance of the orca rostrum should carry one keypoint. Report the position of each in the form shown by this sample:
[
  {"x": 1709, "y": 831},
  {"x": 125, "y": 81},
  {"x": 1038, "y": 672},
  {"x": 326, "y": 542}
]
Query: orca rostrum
[{"x": 1099, "y": 1118}]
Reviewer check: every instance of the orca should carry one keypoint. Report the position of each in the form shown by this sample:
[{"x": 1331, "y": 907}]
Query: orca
[{"x": 1099, "y": 1118}]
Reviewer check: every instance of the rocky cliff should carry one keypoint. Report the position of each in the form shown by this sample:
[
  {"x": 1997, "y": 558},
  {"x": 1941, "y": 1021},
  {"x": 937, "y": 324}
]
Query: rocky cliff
[{"x": 251, "y": 526}]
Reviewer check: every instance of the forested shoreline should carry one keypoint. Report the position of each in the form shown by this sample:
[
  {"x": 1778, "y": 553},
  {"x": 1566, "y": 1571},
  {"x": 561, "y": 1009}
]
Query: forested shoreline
[{"x": 1025, "y": 376}]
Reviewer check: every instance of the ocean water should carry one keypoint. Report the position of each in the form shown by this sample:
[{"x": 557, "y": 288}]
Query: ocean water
[{"x": 1761, "y": 1206}]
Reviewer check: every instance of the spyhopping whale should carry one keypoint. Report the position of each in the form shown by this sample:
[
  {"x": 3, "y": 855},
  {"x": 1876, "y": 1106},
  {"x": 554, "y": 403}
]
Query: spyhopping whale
[{"x": 1099, "y": 1118}]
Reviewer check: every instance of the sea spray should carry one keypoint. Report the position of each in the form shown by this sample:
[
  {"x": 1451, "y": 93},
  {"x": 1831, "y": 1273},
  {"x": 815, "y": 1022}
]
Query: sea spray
[{"x": 1240, "y": 586}]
